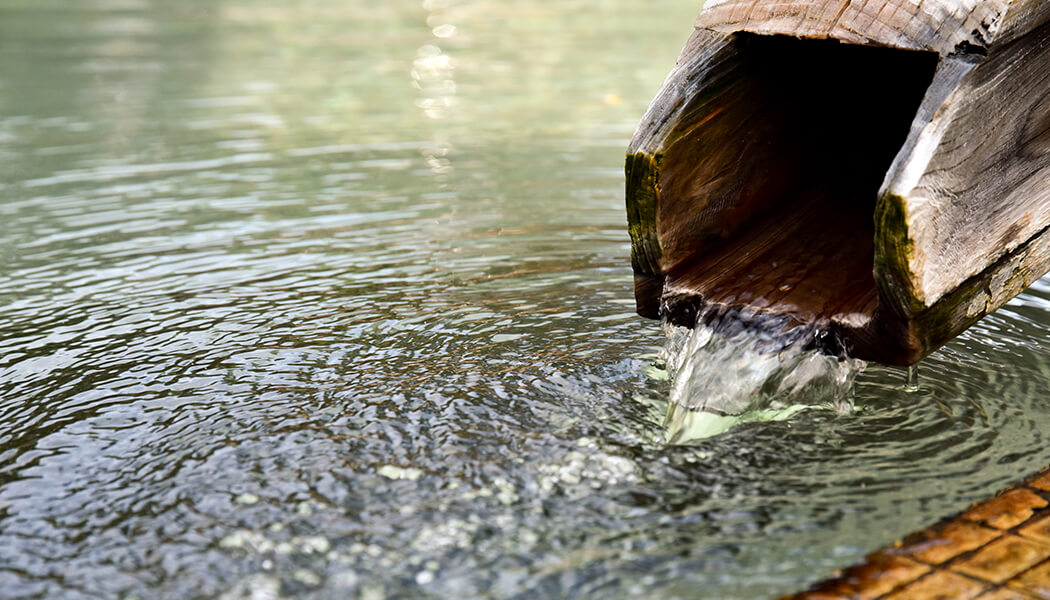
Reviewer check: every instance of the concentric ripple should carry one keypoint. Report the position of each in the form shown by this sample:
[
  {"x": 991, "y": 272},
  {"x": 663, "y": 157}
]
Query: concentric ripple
[{"x": 326, "y": 300}]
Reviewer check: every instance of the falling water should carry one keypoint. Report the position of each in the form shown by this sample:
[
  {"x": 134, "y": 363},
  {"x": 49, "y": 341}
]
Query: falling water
[
  {"x": 912, "y": 384},
  {"x": 727, "y": 371}
]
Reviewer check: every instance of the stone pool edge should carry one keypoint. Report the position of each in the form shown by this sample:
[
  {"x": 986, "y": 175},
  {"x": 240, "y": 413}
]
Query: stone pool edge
[{"x": 997, "y": 549}]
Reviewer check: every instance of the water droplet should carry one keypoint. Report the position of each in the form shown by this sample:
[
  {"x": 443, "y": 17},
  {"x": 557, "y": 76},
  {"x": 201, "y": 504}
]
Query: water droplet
[{"x": 912, "y": 382}]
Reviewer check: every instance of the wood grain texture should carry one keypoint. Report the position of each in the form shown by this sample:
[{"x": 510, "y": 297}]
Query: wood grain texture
[
  {"x": 808, "y": 258},
  {"x": 745, "y": 190},
  {"x": 707, "y": 60},
  {"x": 749, "y": 179},
  {"x": 915, "y": 335},
  {"x": 942, "y": 26},
  {"x": 973, "y": 184},
  {"x": 1022, "y": 17}
]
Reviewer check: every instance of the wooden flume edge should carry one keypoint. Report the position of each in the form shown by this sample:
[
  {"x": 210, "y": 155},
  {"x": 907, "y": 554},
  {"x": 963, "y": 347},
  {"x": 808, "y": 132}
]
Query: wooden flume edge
[
  {"x": 941, "y": 26},
  {"x": 880, "y": 168}
]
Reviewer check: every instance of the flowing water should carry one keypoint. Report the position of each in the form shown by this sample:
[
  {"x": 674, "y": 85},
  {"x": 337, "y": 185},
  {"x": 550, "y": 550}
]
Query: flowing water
[
  {"x": 727, "y": 371},
  {"x": 332, "y": 299}
]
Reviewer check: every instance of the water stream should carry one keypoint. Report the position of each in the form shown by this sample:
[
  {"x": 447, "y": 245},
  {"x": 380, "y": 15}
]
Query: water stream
[
  {"x": 332, "y": 299},
  {"x": 725, "y": 372}
]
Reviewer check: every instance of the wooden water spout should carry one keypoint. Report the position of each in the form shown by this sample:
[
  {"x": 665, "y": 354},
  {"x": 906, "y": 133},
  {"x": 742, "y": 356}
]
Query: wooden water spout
[{"x": 879, "y": 168}]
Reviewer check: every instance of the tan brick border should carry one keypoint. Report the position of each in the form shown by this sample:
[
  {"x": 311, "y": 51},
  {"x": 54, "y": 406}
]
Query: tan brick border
[{"x": 997, "y": 549}]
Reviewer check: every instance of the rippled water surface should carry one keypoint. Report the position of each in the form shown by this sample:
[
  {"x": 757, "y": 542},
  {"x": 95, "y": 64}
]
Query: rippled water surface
[{"x": 332, "y": 299}]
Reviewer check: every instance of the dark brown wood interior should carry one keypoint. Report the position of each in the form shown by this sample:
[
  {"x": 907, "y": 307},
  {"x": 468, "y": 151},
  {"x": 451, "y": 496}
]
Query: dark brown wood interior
[{"x": 767, "y": 196}]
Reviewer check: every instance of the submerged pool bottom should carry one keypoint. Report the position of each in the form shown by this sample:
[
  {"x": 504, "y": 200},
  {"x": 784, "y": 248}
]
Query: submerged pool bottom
[{"x": 998, "y": 548}]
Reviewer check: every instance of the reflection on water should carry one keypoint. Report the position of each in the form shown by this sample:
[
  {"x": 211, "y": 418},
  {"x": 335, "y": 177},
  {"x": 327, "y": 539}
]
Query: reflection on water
[{"x": 328, "y": 299}]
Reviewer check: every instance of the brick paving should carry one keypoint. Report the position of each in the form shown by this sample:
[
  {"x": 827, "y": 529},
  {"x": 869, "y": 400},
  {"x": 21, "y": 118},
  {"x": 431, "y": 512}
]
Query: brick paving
[{"x": 998, "y": 549}]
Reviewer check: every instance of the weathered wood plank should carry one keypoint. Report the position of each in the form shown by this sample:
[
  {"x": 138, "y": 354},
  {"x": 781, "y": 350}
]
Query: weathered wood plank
[
  {"x": 803, "y": 259},
  {"x": 746, "y": 186},
  {"x": 740, "y": 169},
  {"x": 973, "y": 185},
  {"x": 707, "y": 60},
  {"x": 942, "y": 26},
  {"x": 1022, "y": 17}
]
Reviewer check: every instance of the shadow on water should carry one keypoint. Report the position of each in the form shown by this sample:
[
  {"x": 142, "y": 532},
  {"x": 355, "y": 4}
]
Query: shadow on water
[{"x": 285, "y": 311}]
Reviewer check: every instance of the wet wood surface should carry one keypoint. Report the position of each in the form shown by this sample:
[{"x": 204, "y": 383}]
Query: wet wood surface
[
  {"x": 997, "y": 549},
  {"x": 758, "y": 136},
  {"x": 808, "y": 259}
]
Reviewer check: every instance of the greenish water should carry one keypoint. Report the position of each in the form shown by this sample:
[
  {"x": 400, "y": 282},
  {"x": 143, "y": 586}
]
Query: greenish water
[{"x": 332, "y": 299}]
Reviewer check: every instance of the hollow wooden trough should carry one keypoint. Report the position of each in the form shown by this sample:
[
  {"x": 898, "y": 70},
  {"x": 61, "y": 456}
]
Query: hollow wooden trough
[{"x": 877, "y": 168}]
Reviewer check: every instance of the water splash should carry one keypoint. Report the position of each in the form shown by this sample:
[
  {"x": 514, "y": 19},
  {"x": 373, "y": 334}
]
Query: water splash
[{"x": 728, "y": 371}]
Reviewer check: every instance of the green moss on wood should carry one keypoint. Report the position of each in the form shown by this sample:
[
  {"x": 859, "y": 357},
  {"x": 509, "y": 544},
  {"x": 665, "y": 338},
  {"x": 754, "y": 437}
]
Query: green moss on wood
[
  {"x": 643, "y": 191},
  {"x": 979, "y": 295},
  {"x": 894, "y": 250}
]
